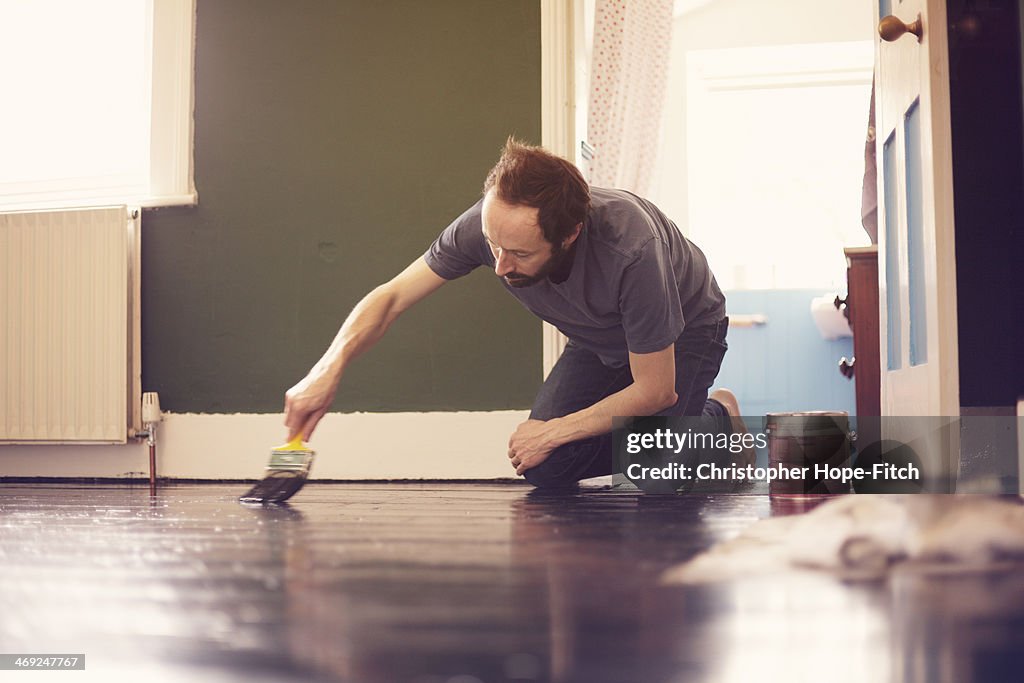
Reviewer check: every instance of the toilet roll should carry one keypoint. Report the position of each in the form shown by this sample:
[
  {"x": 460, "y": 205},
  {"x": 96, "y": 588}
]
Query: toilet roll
[{"x": 829, "y": 320}]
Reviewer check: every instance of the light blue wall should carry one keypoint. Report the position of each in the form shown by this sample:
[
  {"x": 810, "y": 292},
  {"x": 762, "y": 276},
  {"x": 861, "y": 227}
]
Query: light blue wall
[{"x": 784, "y": 366}]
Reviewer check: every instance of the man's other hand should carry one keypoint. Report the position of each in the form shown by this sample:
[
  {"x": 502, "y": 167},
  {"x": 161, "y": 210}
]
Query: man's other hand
[{"x": 531, "y": 444}]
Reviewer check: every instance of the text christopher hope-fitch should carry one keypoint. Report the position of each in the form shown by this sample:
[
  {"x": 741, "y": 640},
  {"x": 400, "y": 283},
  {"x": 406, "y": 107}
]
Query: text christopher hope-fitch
[{"x": 711, "y": 471}]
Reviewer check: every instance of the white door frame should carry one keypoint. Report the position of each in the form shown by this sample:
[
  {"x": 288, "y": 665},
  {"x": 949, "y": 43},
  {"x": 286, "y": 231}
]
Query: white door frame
[{"x": 561, "y": 28}]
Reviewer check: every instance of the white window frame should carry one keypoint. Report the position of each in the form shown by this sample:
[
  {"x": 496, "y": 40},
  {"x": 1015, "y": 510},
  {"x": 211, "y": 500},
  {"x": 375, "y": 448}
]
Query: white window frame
[
  {"x": 172, "y": 169},
  {"x": 171, "y": 173}
]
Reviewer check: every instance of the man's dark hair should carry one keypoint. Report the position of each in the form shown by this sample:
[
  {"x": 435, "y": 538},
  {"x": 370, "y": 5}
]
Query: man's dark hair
[{"x": 532, "y": 176}]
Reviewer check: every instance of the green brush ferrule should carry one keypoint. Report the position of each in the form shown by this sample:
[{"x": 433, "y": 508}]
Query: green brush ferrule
[{"x": 294, "y": 461}]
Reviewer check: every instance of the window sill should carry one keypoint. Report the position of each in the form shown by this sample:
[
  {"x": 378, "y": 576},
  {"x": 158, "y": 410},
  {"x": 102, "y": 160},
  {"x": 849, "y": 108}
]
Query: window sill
[{"x": 190, "y": 199}]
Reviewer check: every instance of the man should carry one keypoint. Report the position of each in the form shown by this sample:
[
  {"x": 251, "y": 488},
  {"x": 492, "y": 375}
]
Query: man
[{"x": 644, "y": 316}]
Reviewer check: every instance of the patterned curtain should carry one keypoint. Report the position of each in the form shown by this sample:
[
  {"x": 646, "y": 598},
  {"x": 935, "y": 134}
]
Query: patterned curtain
[{"x": 629, "y": 70}]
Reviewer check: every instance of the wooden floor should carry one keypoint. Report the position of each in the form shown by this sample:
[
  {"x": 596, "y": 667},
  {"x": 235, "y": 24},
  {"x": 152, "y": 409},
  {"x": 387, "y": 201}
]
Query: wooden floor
[{"x": 457, "y": 583}]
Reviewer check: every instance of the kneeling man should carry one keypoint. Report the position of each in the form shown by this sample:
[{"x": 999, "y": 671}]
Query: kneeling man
[{"x": 643, "y": 314}]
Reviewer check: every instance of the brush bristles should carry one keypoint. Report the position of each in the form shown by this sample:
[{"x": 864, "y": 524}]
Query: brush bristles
[
  {"x": 276, "y": 487},
  {"x": 286, "y": 473}
]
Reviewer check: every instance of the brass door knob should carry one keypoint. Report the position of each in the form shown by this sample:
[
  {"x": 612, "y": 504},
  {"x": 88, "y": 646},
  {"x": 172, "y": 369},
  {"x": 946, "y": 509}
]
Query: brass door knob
[{"x": 892, "y": 28}]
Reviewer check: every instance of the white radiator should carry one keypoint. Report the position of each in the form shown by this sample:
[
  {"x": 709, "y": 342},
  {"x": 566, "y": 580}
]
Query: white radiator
[{"x": 69, "y": 326}]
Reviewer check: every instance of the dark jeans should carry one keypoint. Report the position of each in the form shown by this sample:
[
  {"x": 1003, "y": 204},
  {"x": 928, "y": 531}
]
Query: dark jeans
[{"x": 579, "y": 380}]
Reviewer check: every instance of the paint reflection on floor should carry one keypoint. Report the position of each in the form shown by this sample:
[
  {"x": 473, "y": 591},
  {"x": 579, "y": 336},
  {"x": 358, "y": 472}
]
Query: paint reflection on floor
[{"x": 431, "y": 583}]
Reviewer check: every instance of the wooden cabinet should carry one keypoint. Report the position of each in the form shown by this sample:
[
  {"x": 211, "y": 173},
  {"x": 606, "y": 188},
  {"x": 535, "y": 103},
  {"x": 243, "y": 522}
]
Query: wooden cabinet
[{"x": 862, "y": 312}]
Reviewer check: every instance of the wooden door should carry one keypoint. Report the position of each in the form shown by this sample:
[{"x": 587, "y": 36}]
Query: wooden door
[{"x": 917, "y": 277}]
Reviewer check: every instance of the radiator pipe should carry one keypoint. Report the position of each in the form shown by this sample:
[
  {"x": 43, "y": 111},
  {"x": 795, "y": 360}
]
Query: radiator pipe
[
  {"x": 151, "y": 441},
  {"x": 150, "y": 416},
  {"x": 150, "y": 434}
]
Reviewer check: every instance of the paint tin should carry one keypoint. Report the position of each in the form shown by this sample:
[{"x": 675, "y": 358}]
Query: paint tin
[{"x": 816, "y": 444}]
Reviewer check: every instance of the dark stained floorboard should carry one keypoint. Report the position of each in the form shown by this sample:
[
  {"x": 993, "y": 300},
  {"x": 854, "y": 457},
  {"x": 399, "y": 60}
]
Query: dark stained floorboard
[{"x": 458, "y": 582}]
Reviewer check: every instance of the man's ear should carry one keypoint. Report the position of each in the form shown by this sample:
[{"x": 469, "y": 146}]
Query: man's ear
[{"x": 567, "y": 242}]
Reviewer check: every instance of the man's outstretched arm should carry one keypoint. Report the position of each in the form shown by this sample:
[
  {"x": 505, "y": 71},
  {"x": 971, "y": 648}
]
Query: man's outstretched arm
[{"x": 308, "y": 401}]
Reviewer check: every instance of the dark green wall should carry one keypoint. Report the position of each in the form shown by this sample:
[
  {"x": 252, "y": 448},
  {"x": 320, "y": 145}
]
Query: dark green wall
[{"x": 333, "y": 141}]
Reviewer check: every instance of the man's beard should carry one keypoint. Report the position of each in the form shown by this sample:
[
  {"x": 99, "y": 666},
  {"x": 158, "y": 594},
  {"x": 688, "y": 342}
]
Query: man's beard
[{"x": 558, "y": 256}]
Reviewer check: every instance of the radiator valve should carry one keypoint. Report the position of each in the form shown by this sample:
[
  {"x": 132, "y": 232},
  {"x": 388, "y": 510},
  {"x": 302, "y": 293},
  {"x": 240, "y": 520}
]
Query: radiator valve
[
  {"x": 151, "y": 408},
  {"x": 150, "y": 416}
]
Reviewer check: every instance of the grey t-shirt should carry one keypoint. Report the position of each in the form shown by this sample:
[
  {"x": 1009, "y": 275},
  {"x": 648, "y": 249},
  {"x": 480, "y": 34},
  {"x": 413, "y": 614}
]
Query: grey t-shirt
[{"x": 635, "y": 281}]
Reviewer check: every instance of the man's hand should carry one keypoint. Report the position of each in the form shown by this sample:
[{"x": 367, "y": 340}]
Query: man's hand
[
  {"x": 531, "y": 444},
  {"x": 307, "y": 402}
]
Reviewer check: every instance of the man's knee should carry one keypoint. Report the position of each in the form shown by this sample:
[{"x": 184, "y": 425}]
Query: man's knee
[
  {"x": 571, "y": 462},
  {"x": 555, "y": 472}
]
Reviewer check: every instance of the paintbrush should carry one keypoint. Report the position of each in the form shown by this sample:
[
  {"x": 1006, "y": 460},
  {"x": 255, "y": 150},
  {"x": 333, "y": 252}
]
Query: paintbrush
[{"x": 286, "y": 473}]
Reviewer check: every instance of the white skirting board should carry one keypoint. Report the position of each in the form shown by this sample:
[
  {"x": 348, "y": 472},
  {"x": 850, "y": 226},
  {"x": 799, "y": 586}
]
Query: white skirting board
[{"x": 349, "y": 446}]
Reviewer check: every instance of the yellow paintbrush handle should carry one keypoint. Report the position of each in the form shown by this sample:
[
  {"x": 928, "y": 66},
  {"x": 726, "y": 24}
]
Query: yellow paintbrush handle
[{"x": 293, "y": 445}]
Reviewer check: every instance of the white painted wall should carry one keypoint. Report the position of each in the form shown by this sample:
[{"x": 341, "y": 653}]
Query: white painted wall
[
  {"x": 438, "y": 445},
  {"x": 740, "y": 23}
]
